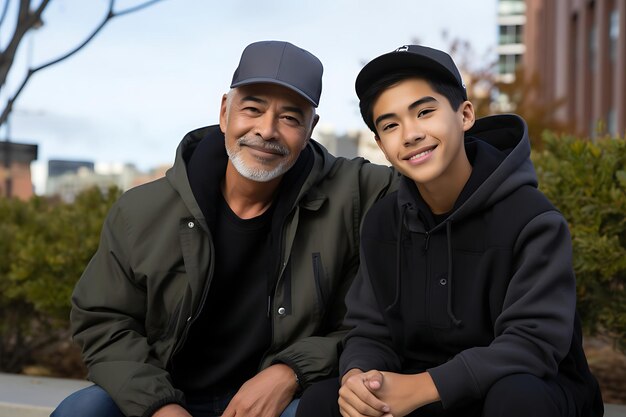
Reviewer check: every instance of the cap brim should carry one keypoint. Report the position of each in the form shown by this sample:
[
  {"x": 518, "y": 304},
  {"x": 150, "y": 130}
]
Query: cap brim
[{"x": 262, "y": 80}]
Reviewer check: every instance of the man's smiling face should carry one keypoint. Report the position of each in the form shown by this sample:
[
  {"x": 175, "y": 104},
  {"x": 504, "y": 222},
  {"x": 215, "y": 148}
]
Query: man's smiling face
[{"x": 266, "y": 126}]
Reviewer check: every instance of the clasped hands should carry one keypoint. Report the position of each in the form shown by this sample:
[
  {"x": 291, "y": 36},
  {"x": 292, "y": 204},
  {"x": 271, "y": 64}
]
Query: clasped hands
[{"x": 384, "y": 394}]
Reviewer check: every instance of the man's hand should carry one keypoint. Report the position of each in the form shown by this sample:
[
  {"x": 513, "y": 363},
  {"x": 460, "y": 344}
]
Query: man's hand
[
  {"x": 357, "y": 397},
  {"x": 404, "y": 393},
  {"x": 171, "y": 410},
  {"x": 267, "y": 394}
]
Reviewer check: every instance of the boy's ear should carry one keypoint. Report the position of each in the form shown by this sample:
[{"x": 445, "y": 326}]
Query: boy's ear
[
  {"x": 381, "y": 147},
  {"x": 468, "y": 115}
]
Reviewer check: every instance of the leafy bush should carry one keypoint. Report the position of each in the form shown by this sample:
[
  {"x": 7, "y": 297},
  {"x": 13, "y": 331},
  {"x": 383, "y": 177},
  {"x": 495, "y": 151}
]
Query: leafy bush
[
  {"x": 586, "y": 180},
  {"x": 44, "y": 247}
]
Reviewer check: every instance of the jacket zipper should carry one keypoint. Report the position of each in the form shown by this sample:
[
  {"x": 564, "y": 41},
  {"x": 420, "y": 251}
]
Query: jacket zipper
[
  {"x": 191, "y": 319},
  {"x": 280, "y": 271}
]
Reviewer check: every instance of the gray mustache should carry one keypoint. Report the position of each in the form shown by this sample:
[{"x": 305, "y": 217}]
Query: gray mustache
[{"x": 260, "y": 143}]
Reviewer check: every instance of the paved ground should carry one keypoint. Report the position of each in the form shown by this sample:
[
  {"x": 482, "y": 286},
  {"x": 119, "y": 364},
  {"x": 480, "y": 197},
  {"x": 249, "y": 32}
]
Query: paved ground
[{"x": 25, "y": 396}]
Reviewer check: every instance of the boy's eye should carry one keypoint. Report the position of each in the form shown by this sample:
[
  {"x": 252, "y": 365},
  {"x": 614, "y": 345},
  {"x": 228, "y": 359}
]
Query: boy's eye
[
  {"x": 389, "y": 126},
  {"x": 424, "y": 112}
]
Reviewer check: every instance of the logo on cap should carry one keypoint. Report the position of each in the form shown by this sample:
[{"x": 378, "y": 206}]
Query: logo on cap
[{"x": 403, "y": 48}]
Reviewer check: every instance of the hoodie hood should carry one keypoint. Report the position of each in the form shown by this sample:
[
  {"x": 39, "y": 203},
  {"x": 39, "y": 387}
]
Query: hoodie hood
[
  {"x": 499, "y": 149},
  {"x": 509, "y": 135}
]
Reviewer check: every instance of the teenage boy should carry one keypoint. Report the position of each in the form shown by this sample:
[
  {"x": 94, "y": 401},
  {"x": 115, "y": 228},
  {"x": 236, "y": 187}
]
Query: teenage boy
[{"x": 465, "y": 301}]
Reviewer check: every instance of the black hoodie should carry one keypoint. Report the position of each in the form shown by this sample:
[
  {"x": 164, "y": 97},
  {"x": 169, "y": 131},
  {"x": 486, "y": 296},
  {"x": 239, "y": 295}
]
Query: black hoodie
[{"x": 487, "y": 292}]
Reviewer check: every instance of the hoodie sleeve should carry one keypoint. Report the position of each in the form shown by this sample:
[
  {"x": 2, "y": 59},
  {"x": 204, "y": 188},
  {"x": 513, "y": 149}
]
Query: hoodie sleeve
[
  {"x": 368, "y": 345},
  {"x": 107, "y": 318},
  {"x": 534, "y": 330}
]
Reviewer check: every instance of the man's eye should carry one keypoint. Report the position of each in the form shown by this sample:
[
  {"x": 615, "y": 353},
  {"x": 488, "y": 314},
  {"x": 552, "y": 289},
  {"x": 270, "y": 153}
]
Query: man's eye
[
  {"x": 294, "y": 121},
  {"x": 251, "y": 109}
]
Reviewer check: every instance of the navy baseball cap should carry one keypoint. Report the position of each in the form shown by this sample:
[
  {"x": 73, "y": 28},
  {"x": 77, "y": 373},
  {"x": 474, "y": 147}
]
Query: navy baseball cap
[
  {"x": 421, "y": 59},
  {"x": 282, "y": 63}
]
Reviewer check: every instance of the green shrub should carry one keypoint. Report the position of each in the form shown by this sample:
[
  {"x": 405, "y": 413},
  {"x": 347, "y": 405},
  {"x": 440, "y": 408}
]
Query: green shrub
[
  {"x": 44, "y": 247},
  {"x": 586, "y": 180}
]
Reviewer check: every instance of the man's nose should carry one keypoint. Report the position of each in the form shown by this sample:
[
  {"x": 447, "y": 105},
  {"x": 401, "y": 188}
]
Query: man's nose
[{"x": 266, "y": 126}]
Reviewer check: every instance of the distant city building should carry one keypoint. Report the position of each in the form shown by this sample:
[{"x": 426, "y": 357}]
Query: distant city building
[
  {"x": 368, "y": 148},
  {"x": 15, "y": 176},
  {"x": 578, "y": 49},
  {"x": 69, "y": 178},
  {"x": 339, "y": 145},
  {"x": 154, "y": 174},
  {"x": 511, "y": 48},
  {"x": 351, "y": 144},
  {"x": 58, "y": 167}
]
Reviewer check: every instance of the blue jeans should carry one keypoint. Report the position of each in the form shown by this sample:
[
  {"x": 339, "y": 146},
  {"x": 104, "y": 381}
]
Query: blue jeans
[{"x": 93, "y": 401}]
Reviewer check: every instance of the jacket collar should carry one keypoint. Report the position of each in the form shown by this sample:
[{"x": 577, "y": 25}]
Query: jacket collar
[{"x": 313, "y": 165}]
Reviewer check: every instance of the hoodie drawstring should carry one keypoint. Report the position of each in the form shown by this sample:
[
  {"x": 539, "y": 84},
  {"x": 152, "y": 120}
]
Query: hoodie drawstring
[
  {"x": 456, "y": 321},
  {"x": 399, "y": 255}
]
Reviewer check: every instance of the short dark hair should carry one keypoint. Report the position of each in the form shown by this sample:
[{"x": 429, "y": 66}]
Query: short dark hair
[{"x": 452, "y": 92}]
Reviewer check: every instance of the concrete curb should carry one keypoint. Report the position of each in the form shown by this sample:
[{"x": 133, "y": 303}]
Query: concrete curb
[
  {"x": 22, "y": 410},
  {"x": 28, "y": 396}
]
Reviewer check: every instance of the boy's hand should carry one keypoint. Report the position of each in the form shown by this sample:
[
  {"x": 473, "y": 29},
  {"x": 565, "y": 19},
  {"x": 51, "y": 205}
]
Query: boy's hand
[
  {"x": 356, "y": 397},
  {"x": 405, "y": 393}
]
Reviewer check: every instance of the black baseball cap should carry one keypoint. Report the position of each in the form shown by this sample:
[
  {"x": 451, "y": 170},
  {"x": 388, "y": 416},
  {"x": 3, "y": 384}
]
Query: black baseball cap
[
  {"x": 282, "y": 63},
  {"x": 421, "y": 59}
]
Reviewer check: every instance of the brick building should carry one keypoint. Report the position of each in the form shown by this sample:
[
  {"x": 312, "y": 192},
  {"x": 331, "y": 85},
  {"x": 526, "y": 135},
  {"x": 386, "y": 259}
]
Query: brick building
[
  {"x": 15, "y": 178},
  {"x": 578, "y": 49}
]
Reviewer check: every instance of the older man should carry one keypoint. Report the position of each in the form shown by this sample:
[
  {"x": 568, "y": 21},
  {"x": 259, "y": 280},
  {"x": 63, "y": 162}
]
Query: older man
[{"x": 219, "y": 289}]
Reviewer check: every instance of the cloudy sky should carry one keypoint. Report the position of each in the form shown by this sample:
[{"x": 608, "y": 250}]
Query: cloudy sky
[{"x": 151, "y": 76}]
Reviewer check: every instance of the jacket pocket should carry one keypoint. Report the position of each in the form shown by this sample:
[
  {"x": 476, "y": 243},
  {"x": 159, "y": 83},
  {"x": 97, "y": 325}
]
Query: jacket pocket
[
  {"x": 320, "y": 282},
  {"x": 164, "y": 330}
]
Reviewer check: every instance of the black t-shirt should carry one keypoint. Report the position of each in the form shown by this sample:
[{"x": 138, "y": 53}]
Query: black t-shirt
[{"x": 227, "y": 341}]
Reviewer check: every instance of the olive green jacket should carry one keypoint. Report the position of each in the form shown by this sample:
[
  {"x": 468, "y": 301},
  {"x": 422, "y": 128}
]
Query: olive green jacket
[{"x": 133, "y": 305}]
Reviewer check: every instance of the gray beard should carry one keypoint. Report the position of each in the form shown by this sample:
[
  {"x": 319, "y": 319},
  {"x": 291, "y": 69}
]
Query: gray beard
[{"x": 258, "y": 174}]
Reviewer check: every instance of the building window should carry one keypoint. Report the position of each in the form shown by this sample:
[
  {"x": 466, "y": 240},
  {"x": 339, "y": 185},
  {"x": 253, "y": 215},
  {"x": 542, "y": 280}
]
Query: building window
[
  {"x": 511, "y": 34},
  {"x": 507, "y": 64},
  {"x": 613, "y": 34},
  {"x": 511, "y": 7}
]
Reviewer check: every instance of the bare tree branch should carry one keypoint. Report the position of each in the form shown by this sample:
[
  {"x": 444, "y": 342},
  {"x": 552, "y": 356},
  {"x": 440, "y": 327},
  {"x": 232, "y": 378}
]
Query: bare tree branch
[
  {"x": 4, "y": 12},
  {"x": 136, "y": 8},
  {"x": 111, "y": 14},
  {"x": 25, "y": 21}
]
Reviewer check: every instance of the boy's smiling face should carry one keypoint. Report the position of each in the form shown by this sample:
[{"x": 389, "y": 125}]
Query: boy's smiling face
[{"x": 421, "y": 135}]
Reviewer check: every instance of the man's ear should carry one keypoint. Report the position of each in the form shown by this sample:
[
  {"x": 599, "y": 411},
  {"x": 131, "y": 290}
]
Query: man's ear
[
  {"x": 468, "y": 115},
  {"x": 316, "y": 118},
  {"x": 223, "y": 112}
]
